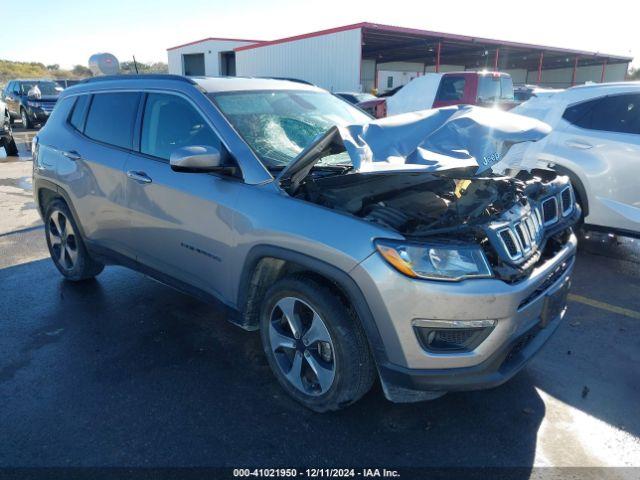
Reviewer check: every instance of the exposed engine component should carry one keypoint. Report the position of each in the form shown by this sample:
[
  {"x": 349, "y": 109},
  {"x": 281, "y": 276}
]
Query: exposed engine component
[{"x": 511, "y": 218}]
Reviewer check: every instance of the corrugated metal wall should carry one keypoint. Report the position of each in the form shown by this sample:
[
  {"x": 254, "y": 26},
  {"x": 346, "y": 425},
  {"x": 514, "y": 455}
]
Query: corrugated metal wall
[
  {"x": 211, "y": 50},
  {"x": 331, "y": 61}
]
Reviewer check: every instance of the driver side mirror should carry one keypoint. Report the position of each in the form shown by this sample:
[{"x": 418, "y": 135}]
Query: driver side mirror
[{"x": 196, "y": 159}]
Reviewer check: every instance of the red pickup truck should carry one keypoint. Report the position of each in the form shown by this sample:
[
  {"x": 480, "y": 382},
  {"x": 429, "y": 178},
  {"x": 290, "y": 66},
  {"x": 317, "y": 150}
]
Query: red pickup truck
[{"x": 433, "y": 90}]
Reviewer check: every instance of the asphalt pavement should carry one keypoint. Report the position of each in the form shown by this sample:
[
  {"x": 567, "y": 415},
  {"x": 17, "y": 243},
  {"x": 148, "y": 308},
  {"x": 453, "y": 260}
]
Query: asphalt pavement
[{"x": 124, "y": 371}]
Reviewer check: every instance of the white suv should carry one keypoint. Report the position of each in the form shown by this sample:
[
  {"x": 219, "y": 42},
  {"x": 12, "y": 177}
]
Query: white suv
[{"x": 596, "y": 142}]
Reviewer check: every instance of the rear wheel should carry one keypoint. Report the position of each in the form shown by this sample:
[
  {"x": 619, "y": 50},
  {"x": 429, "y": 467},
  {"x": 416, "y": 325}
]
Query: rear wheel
[
  {"x": 66, "y": 246},
  {"x": 315, "y": 345}
]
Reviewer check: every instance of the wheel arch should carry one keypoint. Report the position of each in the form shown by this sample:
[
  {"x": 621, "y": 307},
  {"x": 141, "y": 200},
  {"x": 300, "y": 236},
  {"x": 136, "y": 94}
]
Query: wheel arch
[
  {"x": 265, "y": 264},
  {"x": 46, "y": 192}
]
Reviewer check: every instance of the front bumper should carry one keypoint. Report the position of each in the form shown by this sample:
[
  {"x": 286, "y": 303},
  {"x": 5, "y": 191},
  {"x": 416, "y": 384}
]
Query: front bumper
[{"x": 406, "y": 368}]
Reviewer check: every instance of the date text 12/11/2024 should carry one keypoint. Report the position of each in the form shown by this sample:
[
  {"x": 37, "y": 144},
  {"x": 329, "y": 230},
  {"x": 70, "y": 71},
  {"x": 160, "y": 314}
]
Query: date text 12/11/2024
[{"x": 315, "y": 473}]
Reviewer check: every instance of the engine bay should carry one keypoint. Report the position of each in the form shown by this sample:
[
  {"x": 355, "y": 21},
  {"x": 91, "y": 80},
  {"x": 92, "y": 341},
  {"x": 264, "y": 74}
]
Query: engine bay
[{"x": 451, "y": 205}]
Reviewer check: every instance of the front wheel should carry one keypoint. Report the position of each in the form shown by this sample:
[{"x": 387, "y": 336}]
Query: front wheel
[
  {"x": 26, "y": 123},
  {"x": 8, "y": 141},
  {"x": 315, "y": 345},
  {"x": 66, "y": 246}
]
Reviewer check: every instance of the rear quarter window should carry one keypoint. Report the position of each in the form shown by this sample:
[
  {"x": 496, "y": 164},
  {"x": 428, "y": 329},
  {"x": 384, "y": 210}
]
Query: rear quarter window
[
  {"x": 112, "y": 117},
  {"x": 79, "y": 111}
]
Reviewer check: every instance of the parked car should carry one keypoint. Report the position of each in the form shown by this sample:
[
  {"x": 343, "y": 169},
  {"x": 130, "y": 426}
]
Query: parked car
[
  {"x": 596, "y": 142},
  {"x": 355, "y": 97},
  {"x": 6, "y": 134},
  {"x": 238, "y": 191},
  {"x": 31, "y": 109},
  {"x": 433, "y": 90},
  {"x": 67, "y": 82},
  {"x": 522, "y": 93}
]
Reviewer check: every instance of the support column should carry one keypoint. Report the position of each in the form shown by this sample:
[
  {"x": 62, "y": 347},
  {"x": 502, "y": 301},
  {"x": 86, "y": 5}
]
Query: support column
[
  {"x": 575, "y": 70},
  {"x": 540, "y": 68},
  {"x": 439, "y": 48},
  {"x": 604, "y": 71},
  {"x": 495, "y": 61}
]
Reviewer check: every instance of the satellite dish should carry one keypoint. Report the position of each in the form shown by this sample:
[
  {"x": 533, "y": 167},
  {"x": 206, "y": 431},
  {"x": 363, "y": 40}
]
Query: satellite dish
[{"x": 104, "y": 64}]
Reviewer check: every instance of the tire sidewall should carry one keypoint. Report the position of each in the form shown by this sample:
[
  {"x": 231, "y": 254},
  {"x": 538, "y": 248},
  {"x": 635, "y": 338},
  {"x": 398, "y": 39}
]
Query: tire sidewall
[
  {"x": 334, "y": 316},
  {"x": 76, "y": 272}
]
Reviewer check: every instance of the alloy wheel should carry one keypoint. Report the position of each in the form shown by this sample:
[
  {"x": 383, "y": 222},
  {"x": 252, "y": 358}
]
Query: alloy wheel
[
  {"x": 63, "y": 241},
  {"x": 23, "y": 117},
  {"x": 302, "y": 346}
]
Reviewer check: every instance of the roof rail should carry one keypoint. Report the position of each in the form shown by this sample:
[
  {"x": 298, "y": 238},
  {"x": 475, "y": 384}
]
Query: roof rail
[
  {"x": 144, "y": 76},
  {"x": 289, "y": 79}
]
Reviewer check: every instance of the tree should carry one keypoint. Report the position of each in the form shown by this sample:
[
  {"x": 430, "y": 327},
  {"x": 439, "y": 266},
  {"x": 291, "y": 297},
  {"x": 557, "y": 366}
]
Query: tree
[
  {"x": 81, "y": 71},
  {"x": 54, "y": 66},
  {"x": 633, "y": 74}
]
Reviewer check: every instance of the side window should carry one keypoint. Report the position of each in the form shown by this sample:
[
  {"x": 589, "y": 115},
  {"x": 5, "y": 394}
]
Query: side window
[
  {"x": 389, "y": 82},
  {"x": 112, "y": 117},
  {"x": 618, "y": 113},
  {"x": 170, "y": 122},
  {"x": 78, "y": 114},
  {"x": 580, "y": 114},
  {"x": 451, "y": 88},
  {"x": 16, "y": 88}
]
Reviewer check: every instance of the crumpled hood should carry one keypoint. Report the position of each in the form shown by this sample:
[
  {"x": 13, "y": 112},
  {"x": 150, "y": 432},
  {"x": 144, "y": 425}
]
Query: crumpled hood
[
  {"x": 442, "y": 138},
  {"x": 431, "y": 140}
]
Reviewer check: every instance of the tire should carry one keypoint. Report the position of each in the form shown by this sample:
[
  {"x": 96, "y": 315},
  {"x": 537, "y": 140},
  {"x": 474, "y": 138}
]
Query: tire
[
  {"x": 26, "y": 123},
  {"x": 8, "y": 142},
  {"x": 346, "y": 368},
  {"x": 66, "y": 247}
]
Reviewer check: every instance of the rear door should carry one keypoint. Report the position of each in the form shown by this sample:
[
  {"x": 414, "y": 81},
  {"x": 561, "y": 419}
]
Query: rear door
[
  {"x": 602, "y": 136},
  {"x": 181, "y": 223},
  {"x": 93, "y": 167}
]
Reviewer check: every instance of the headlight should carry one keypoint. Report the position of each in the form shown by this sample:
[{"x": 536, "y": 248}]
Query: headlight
[
  {"x": 435, "y": 261},
  {"x": 33, "y": 104}
]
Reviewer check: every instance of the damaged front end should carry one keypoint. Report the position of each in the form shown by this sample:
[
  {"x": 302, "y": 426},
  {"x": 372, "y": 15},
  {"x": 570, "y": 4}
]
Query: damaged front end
[
  {"x": 459, "y": 220},
  {"x": 517, "y": 222}
]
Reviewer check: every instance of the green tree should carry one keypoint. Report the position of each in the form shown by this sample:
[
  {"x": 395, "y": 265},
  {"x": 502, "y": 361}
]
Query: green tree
[{"x": 81, "y": 71}]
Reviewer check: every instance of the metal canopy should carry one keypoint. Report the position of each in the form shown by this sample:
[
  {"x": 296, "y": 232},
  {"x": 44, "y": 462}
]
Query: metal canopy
[{"x": 385, "y": 43}]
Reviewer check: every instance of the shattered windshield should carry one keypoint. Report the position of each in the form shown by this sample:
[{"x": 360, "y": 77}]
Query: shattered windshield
[{"x": 279, "y": 124}]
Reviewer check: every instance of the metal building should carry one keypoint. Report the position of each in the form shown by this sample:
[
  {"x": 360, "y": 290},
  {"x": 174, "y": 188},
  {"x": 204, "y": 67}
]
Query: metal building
[
  {"x": 209, "y": 56},
  {"x": 364, "y": 56}
]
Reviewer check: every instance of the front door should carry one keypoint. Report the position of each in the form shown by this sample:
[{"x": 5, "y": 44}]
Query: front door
[{"x": 181, "y": 223}]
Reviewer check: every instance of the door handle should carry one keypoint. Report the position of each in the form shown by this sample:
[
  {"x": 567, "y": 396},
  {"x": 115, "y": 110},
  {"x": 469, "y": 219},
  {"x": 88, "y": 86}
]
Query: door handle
[
  {"x": 139, "y": 177},
  {"x": 72, "y": 155},
  {"x": 578, "y": 144}
]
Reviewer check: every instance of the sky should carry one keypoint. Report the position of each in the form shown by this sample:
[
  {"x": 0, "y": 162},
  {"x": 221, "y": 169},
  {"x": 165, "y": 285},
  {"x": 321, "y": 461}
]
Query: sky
[{"x": 68, "y": 32}]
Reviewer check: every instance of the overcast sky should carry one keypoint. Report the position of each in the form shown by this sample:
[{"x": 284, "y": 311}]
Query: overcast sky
[{"x": 68, "y": 32}]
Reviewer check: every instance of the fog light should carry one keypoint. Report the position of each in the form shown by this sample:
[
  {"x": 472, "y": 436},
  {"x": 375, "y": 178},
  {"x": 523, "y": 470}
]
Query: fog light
[{"x": 452, "y": 336}]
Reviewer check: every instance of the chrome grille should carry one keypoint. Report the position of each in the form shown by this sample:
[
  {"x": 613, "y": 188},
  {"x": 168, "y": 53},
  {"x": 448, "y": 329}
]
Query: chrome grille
[
  {"x": 48, "y": 106},
  {"x": 522, "y": 238},
  {"x": 566, "y": 200},
  {"x": 550, "y": 211}
]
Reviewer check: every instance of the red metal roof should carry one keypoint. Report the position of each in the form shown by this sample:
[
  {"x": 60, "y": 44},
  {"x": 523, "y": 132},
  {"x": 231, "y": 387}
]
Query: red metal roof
[
  {"x": 427, "y": 33},
  {"x": 215, "y": 38}
]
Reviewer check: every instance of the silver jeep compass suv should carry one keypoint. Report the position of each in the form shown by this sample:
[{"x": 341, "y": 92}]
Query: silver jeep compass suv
[{"x": 231, "y": 189}]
